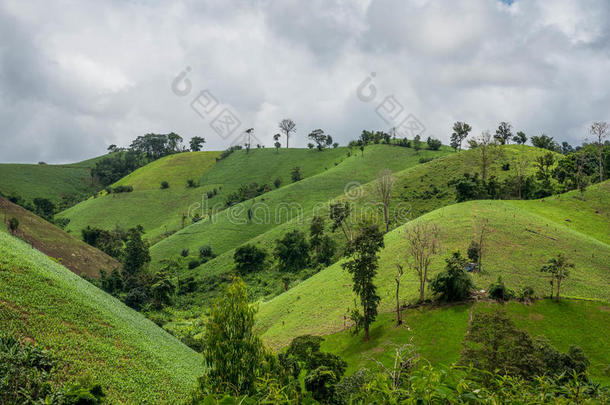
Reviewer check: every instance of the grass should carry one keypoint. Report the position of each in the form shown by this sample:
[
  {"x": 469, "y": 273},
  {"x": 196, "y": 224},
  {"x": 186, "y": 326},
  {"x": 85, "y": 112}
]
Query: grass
[
  {"x": 73, "y": 253},
  {"x": 91, "y": 332},
  {"x": 228, "y": 229},
  {"x": 47, "y": 181},
  {"x": 519, "y": 244},
  {"x": 437, "y": 333}
]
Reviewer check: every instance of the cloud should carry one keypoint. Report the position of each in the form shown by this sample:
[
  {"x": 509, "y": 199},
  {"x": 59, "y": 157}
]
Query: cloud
[{"x": 78, "y": 76}]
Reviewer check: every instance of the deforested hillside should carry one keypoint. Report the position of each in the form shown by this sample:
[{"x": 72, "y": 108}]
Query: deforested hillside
[{"x": 92, "y": 333}]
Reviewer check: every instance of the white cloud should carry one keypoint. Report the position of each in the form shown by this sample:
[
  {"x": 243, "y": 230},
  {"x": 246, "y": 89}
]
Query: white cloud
[{"x": 77, "y": 76}]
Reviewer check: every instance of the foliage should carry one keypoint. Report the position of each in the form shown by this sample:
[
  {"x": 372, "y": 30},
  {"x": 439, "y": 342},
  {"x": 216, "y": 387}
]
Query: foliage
[
  {"x": 499, "y": 292},
  {"x": 545, "y": 142},
  {"x": 460, "y": 132},
  {"x": 196, "y": 143},
  {"x": 249, "y": 258},
  {"x": 164, "y": 185},
  {"x": 233, "y": 353},
  {"x": 363, "y": 266},
  {"x": 292, "y": 251},
  {"x": 453, "y": 284},
  {"x": 320, "y": 138},
  {"x": 13, "y": 224},
  {"x": 296, "y": 174},
  {"x": 559, "y": 269},
  {"x": 117, "y": 165},
  {"x": 434, "y": 144},
  {"x": 503, "y": 133},
  {"x": 247, "y": 192}
]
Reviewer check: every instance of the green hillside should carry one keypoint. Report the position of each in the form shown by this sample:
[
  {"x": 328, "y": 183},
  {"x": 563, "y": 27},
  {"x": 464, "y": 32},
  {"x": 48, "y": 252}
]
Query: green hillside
[
  {"x": 47, "y": 181},
  {"x": 160, "y": 211},
  {"x": 519, "y": 244},
  {"x": 438, "y": 333},
  {"x": 91, "y": 332},
  {"x": 54, "y": 242},
  {"x": 231, "y": 228}
]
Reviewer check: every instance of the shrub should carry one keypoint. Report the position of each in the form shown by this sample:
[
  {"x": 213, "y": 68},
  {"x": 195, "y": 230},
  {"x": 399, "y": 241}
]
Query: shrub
[
  {"x": 506, "y": 167},
  {"x": 453, "y": 283},
  {"x": 193, "y": 264},
  {"x": 122, "y": 189},
  {"x": 292, "y": 251},
  {"x": 184, "y": 253},
  {"x": 526, "y": 294},
  {"x": 277, "y": 182},
  {"x": 164, "y": 185},
  {"x": 136, "y": 298},
  {"x": 190, "y": 183},
  {"x": 434, "y": 144},
  {"x": 249, "y": 258},
  {"x": 296, "y": 174},
  {"x": 13, "y": 224},
  {"x": 206, "y": 253},
  {"x": 499, "y": 292},
  {"x": 425, "y": 159}
]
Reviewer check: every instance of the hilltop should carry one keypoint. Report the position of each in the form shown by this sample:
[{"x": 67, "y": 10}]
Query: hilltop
[
  {"x": 91, "y": 332},
  {"x": 73, "y": 253},
  {"x": 520, "y": 242}
]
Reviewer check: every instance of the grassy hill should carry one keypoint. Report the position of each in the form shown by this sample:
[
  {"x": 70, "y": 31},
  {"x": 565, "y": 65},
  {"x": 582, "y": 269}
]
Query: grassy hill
[
  {"x": 521, "y": 241},
  {"x": 54, "y": 242},
  {"x": 48, "y": 181},
  {"x": 160, "y": 211},
  {"x": 91, "y": 332},
  {"x": 438, "y": 333}
]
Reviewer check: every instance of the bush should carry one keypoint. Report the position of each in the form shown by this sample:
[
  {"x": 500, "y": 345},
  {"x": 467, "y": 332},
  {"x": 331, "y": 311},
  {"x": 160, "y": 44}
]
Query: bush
[
  {"x": 136, "y": 298},
  {"x": 122, "y": 189},
  {"x": 193, "y": 264},
  {"x": 13, "y": 224},
  {"x": 206, "y": 253},
  {"x": 249, "y": 258},
  {"x": 190, "y": 183},
  {"x": 296, "y": 174},
  {"x": 526, "y": 294},
  {"x": 277, "y": 182},
  {"x": 434, "y": 144},
  {"x": 425, "y": 159},
  {"x": 164, "y": 185},
  {"x": 499, "y": 292},
  {"x": 453, "y": 283},
  {"x": 506, "y": 167}
]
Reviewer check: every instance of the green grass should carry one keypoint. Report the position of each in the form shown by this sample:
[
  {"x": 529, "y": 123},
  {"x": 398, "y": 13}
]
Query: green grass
[
  {"x": 91, "y": 332},
  {"x": 230, "y": 228},
  {"x": 437, "y": 333},
  {"x": 46, "y": 181},
  {"x": 54, "y": 242},
  {"x": 519, "y": 244}
]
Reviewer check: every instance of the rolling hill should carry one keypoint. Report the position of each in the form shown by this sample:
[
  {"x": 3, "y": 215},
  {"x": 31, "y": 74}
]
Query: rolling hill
[
  {"x": 48, "y": 181},
  {"x": 73, "y": 253},
  {"x": 521, "y": 241},
  {"x": 91, "y": 332}
]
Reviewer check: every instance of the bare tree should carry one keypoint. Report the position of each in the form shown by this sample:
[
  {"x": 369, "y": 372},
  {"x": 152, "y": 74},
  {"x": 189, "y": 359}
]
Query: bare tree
[
  {"x": 422, "y": 244},
  {"x": 481, "y": 230},
  {"x": 600, "y": 131},
  {"x": 385, "y": 182},
  {"x": 397, "y": 278},
  {"x": 486, "y": 146},
  {"x": 521, "y": 166},
  {"x": 404, "y": 360},
  {"x": 287, "y": 126}
]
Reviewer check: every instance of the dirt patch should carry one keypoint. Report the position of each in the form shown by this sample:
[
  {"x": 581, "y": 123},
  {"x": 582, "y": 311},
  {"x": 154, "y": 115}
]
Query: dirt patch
[
  {"x": 536, "y": 317},
  {"x": 604, "y": 308}
]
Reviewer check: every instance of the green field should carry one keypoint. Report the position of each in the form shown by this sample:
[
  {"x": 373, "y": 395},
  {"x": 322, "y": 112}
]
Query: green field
[
  {"x": 47, "y": 181},
  {"x": 70, "y": 251},
  {"x": 91, "y": 332},
  {"x": 438, "y": 333},
  {"x": 520, "y": 242}
]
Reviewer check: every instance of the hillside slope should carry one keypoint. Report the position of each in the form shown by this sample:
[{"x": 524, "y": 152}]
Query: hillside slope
[
  {"x": 73, "y": 253},
  {"x": 519, "y": 244},
  {"x": 91, "y": 332},
  {"x": 47, "y": 181}
]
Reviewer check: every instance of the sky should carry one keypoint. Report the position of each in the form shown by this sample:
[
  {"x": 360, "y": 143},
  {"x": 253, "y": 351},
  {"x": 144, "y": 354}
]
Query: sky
[{"x": 77, "y": 76}]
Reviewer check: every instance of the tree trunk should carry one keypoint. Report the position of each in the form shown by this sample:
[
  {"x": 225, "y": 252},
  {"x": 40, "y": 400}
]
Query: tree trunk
[
  {"x": 558, "y": 287},
  {"x": 366, "y": 330},
  {"x": 386, "y": 214},
  {"x": 422, "y": 285},
  {"x": 398, "y": 313}
]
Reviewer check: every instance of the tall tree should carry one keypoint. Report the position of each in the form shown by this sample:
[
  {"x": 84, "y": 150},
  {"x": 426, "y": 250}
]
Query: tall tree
[
  {"x": 422, "y": 245},
  {"x": 559, "y": 269},
  {"x": 321, "y": 139},
  {"x": 504, "y": 133},
  {"x": 487, "y": 149},
  {"x": 287, "y": 126},
  {"x": 385, "y": 182},
  {"x": 339, "y": 214},
  {"x": 174, "y": 142},
  {"x": 521, "y": 165},
  {"x": 232, "y": 353},
  {"x": 520, "y": 138},
  {"x": 248, "y": 134},
  {"x": 196, "y": 143},
  {"x": 600, "y": 131},
  {"x": 363, "y": 267},
  {"x": 460, "y": 132},
  {"x": 397, "y": 278},
  {"x": 136, "y": 255}
]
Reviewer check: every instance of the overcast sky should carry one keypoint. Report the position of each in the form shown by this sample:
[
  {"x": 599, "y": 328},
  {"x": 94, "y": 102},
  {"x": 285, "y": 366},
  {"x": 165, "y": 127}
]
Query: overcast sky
[{"x": 77, "y": 76}]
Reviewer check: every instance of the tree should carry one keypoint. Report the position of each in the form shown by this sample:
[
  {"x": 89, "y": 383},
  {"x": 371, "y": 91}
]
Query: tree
[
  {"x": 481, "y": 229},
  {"x": 521, "y": 166},
  {"x": 545, "y": 142},
  {"x": 136, "y": 255},
  {"x": 460, "y": 132},
  {"x": 417, "y": 143},
  {"x": 287, "y": 126},
  {"x": 600, "y": 131},
  {"x": 503, "y": 133},
  {"x": 363, "y": 268},
  {"x": 322, "y": 140},
  {"x": 233, "y": 354},
  {"x": 559, "y": 269},
  {"x": 196, "y": 143},
  {"x": 434, "y": 144},
  {"x": 44, "y": 208},
  {"x": 292, "y": 251},
  {"x": 397, "y": 277},
  {"x": 13, "y": 225},
  {"x": 453, "y": 283},
  {"x": 339, "y": 213},
  {"x": 162, "y": 290},
  {"x": 174, "y": 141},
  {"x": 487, "y": 152},
  {"x": 277, "y": 143},
  {"x": 296, "y": 174},
  {"x": 520, "y": 138},
  {"x": 322, "y": 245},
  {"x": 422, "y": 245},
  {"x": 248, "y": 132},
  {"x": 249, "y": 258},
  {"x": 385, "y": 182}
]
